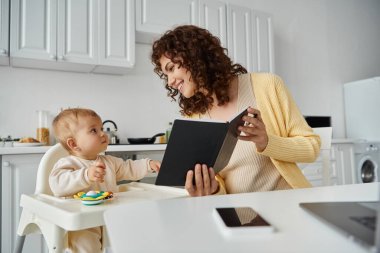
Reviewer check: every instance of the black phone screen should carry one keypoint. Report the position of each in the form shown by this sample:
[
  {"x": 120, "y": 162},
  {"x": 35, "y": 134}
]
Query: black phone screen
[{"x": 241, "y": 217}]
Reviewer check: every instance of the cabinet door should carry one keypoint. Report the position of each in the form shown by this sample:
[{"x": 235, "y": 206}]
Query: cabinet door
[
  {"x": 33, "y": 29},
  {"x": 213, "y": 17},
  {"x": 153, "y": 17},
  {"x": 344, "y": 154},
  {"x": 116, "y": 33},
  {"x": 239, "y": 31},
  {"x": 4, "y": 32},
  {"x": 77, "y": 36},
  {"x": 314, "y": 172},
  {"x": 263, "y": 49},
  {"x": 18, "y": 177}
]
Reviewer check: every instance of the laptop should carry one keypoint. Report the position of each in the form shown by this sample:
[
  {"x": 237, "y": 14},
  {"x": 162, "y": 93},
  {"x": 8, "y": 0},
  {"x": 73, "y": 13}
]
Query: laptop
[{"x": 358, "y": 220}]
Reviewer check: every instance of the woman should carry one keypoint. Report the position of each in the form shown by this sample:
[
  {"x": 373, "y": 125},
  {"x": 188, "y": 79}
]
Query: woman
[{"x": 199, "y": 74}]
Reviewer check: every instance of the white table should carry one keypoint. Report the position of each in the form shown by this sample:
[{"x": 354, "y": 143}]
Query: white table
[
  {"x": 56, "y": 216},
  {"x": 188, "y": 224}
]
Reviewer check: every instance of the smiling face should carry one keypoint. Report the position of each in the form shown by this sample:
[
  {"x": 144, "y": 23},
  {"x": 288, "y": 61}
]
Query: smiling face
[
  {"x": 89, "y": 138},
  {"x": 178, "y": 77}
]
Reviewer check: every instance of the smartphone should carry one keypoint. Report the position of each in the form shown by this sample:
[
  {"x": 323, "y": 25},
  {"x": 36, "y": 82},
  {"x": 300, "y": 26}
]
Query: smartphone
[{"x": 241, "y": 221}]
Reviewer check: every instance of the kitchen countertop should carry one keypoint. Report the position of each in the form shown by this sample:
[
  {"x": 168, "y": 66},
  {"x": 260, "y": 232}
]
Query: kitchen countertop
[
  {"x": 111, "y": 148},
  {"x": 339, "y": 141},
  {"x": 121, "y": 148}
]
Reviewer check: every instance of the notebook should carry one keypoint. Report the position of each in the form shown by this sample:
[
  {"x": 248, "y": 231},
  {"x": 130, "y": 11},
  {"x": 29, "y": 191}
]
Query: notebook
[
  {"x": 194, "y": 142},
  {"x": 358, "y": 220}
]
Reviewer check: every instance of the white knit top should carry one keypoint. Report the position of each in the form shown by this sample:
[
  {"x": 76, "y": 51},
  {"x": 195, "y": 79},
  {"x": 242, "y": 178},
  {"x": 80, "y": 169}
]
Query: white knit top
[{"x": 247, "y": 170}]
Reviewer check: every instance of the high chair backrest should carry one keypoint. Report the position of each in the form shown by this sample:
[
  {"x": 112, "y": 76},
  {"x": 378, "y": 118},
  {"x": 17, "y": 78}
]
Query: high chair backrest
[
  {"x": 325, "y": 133},
  {"x": 46, "y": 165}
]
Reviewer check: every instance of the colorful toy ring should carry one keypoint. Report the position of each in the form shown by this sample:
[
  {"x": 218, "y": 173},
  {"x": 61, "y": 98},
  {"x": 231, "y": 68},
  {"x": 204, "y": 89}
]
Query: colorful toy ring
[{"x": 93, "y": 197}]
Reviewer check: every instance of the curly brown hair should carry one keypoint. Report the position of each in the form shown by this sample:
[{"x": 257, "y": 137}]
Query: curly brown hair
[{"x": 200, "y": 53}]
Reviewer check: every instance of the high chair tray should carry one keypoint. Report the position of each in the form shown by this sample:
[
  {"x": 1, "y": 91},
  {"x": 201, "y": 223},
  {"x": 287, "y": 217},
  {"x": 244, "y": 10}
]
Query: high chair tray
[{"x": 70, "y": 214}]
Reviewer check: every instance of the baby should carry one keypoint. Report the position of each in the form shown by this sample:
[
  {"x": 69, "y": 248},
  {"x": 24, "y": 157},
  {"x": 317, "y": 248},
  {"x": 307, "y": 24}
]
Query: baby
[{"x": 80, "y": 132}]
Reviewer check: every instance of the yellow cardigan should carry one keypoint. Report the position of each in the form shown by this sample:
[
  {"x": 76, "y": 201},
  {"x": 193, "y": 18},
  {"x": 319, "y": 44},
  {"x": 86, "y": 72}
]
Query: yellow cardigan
[{"x": 290, "y": 139}]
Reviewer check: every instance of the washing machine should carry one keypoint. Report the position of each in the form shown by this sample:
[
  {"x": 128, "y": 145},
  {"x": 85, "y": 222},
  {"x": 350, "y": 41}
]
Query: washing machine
[{"x": 367, "y": 161}]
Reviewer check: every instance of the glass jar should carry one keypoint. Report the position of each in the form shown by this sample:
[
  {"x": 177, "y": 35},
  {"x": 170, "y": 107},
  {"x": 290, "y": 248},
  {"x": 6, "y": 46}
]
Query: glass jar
[
  {"x": 43, "y": 127},
  {"x": 168, "y": 131}
]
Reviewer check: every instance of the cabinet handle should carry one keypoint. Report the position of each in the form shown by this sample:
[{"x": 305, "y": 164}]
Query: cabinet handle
[
  {"x": 3, "y": 51},
  {"x": 6, "y": 164}
]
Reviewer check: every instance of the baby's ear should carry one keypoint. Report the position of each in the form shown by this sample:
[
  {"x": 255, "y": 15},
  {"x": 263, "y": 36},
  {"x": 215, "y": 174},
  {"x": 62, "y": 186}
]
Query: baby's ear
[{"x": 71, "y": 143}]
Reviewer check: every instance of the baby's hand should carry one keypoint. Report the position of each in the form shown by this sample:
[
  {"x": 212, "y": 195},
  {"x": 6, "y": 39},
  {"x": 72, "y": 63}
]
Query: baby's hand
[
  {"x": 155, "y": 165},
  {"x": 96, "y": 172}
]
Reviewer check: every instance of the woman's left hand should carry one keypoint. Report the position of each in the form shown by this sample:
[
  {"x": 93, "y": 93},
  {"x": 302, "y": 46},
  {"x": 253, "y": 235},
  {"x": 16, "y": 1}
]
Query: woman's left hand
[
  {"x": 205, "y": 182},
  {"x": 254, "y": 129}
]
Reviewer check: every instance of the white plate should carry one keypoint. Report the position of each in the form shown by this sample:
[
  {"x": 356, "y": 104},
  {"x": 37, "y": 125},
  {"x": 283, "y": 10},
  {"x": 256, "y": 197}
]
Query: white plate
[{"x": 27, "y": 144}]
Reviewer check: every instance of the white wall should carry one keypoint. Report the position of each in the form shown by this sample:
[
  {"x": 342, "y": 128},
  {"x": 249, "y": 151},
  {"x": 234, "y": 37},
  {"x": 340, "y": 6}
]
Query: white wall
[{"x": 319, "y": 45}]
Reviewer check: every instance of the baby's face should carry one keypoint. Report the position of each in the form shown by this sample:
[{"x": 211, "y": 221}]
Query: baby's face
[{"x": 90, "y": 137}]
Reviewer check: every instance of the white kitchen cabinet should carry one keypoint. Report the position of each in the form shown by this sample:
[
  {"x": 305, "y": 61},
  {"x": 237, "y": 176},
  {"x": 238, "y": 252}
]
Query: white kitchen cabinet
[
  {"x": 4, "y": 32},
  {"x": 213, "y": 17},
  {"x": 18, "y": 176},
  {"x": 240, "y": 30},
  {"x": 250, "y": 38},
  {"x": 262, "y": 37},
  {"x": 314, "y": 171},
  {"x": 73, "y": 35},
  {"x": 116, "y": 36},
  {"x": 246, "y": 33},
  {"x": 77, "y": 37},
  {"x": 153, "y": 17},
  {"x": 341, "y": 166},
  {"x": 54, "y": 34},
  {"x": 33, "y": 30}
]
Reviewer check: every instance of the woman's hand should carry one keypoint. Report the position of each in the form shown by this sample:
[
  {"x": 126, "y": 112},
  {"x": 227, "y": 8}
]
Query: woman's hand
[
  {"x": 254, "y": 129},
  {"x": 205, "y": 182}
]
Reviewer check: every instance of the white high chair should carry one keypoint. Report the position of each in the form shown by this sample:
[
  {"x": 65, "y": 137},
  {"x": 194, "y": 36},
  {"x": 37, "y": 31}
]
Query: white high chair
[
  {"x": 29, "y": 224},
  {"x": 52, "y": 217},
  {"x": 325, "y": 133}
]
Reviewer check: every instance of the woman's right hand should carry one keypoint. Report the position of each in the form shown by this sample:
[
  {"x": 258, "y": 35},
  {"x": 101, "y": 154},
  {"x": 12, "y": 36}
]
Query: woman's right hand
[
  {"x": 254, "y": 129},
  {"x": 205, "y": 182}
]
